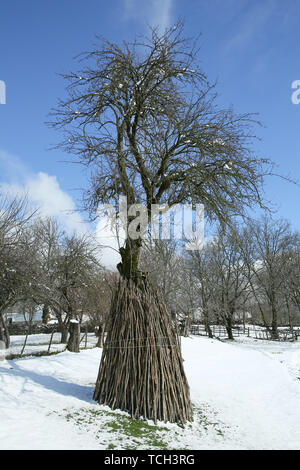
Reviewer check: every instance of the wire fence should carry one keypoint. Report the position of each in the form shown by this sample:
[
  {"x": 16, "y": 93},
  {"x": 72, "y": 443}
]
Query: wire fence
[
  {"x": 43, "y": 344},
  {"x": 50, "y": 343},
  {"x": 250, "y": 331}
]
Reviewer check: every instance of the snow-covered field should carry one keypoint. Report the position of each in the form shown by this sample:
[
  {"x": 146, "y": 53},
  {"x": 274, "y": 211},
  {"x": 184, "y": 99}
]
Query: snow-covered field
[{"x": 246, "y": 395}]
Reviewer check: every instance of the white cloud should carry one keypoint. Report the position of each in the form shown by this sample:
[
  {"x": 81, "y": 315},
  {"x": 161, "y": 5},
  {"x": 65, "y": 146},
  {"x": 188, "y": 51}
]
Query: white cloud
[
  {"x": 154, "y": 12},
  {"x": 43, "y": 192}
]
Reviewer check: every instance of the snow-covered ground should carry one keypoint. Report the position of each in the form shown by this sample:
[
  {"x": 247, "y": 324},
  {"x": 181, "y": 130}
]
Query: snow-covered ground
[{"x": 246, "y": 395}]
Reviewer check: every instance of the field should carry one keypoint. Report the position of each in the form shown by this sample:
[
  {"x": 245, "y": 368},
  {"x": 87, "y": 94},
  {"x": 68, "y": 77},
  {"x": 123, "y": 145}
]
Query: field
[{"x": 246, "y": 395}]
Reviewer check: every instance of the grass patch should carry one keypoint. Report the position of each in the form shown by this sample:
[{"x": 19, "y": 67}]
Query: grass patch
[{"x": 117, "y": 430}]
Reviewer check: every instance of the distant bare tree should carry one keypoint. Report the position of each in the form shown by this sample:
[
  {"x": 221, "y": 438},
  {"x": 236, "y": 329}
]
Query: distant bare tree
[
  {"x": 222, "y": 275},
  {"x": 265, "y": 244},
  {"x": 290, "y": 289},
  {"x": 200, "y": 264},
  {"x": 16, "y": 255},
  {"x": 160, "y": 260},
  {"x": 67, "y": 266},
  {"x": 98, "y": 298}
]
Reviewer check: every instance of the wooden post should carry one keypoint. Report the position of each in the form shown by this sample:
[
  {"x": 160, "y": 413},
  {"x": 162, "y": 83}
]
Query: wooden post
[
  {"x": 50, "y": 342},
  {"x": 85, "y": 343}
]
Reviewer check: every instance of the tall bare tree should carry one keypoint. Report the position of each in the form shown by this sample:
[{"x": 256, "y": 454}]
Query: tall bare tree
[
  {"x": 67, "y": 267},
  {"x": 143, "y": 118},
  {"x": 16, "y": 256},
  {"x": 266, "y": 243}
]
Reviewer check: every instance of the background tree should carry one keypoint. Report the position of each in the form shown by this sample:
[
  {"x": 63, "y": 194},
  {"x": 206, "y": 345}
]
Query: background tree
[
  {"x": 98, "y": 299},
  {"x": 163, "y": 262},
  {"x": 200, "y": 264},
  {"x": 68, "y": 265},
  {"x": 231, "y": 289},
  {"x": 16, "y": 257},
  {"x": 265, "y": 244},
  {"x": 160, "y": 260},
  {"x": 221, "y": 275}
]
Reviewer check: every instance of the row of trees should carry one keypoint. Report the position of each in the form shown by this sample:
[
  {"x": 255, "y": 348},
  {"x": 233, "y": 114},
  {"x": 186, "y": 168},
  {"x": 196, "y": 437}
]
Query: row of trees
[
  {"x": 44, "y": 268},
  {"x": 251, "y": 271}
]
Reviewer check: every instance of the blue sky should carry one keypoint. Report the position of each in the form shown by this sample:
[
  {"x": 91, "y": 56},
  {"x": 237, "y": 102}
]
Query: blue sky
[{"x": 250, "y": 46}]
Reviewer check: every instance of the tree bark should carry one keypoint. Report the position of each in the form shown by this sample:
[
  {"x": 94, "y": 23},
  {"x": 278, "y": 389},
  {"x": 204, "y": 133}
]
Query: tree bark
[
  {"x": 186, "y": 327},
  {"x": 100, "y": 335},
  {"x": 64, "y": 333},
  {"x": 4, "y": 332},
  {"x": 46, "y": 314},
  {"x": 274, "y": 324},
  {"x": 130, "y": 259},
  {"x": 228, "y": 327},
  {"x": 74, "y": 338},
  {"x": 207, "y": 325}
]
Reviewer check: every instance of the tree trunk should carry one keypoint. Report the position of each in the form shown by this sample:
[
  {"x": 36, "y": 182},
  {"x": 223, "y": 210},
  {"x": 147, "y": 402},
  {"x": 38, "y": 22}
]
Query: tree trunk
[
  {"x": 274, "y": 324},
  {"x": 64, "y": 333},
  {"x": 141, "y": 369},
  {"x": 74, "y": 338},
  {"x": 228, "y": 327},
  {"x": 207, "y": 325},
  {"x": 4, "y": 333},
  {"x": 129, "y": 266},
  {"x": 46, "y": 314},
  {"x": 186, "y": 328},
  {"x": 209, "y": 331},
  {"x": 100, "y": 335}
]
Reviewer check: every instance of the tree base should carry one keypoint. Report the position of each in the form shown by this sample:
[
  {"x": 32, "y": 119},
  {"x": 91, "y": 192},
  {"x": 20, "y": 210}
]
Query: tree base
[{"x": 141, "y": 369}]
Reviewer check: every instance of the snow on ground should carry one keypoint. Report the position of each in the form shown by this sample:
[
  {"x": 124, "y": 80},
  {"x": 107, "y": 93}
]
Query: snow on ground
[
  {"x": 252, "y": 385},
  {"x": 246, "y": 395}
]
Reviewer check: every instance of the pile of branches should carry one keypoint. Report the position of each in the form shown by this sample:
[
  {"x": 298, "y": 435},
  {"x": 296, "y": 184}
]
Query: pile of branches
[{"x": 141, "y": 369}]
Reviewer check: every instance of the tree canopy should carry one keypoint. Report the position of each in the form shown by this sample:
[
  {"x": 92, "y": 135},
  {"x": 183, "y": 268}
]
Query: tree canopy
[{"x": 144, "y": 119}]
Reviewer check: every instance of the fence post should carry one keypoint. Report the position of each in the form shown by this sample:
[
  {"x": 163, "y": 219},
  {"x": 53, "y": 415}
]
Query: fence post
[
  {"x": 50, "y": 342},
  {"x": 85, "y": 344}
]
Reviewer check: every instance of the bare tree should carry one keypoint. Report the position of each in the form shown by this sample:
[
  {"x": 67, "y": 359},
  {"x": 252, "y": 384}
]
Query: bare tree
[
  {"x": 67, "y": 267},
  {"x": 265, "y": 244},
  {"x": 160, "y": 260},
  {"x": 290, "y": 289},
  {"x": 143, "y": 118},
  {"x": 97, "y": 299},
  {"x": 222, "y": 276},
  {"x": 200, "y": 264},
  {"x": 232, "y": 289},
  {"x": 16, "y": 255}
]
